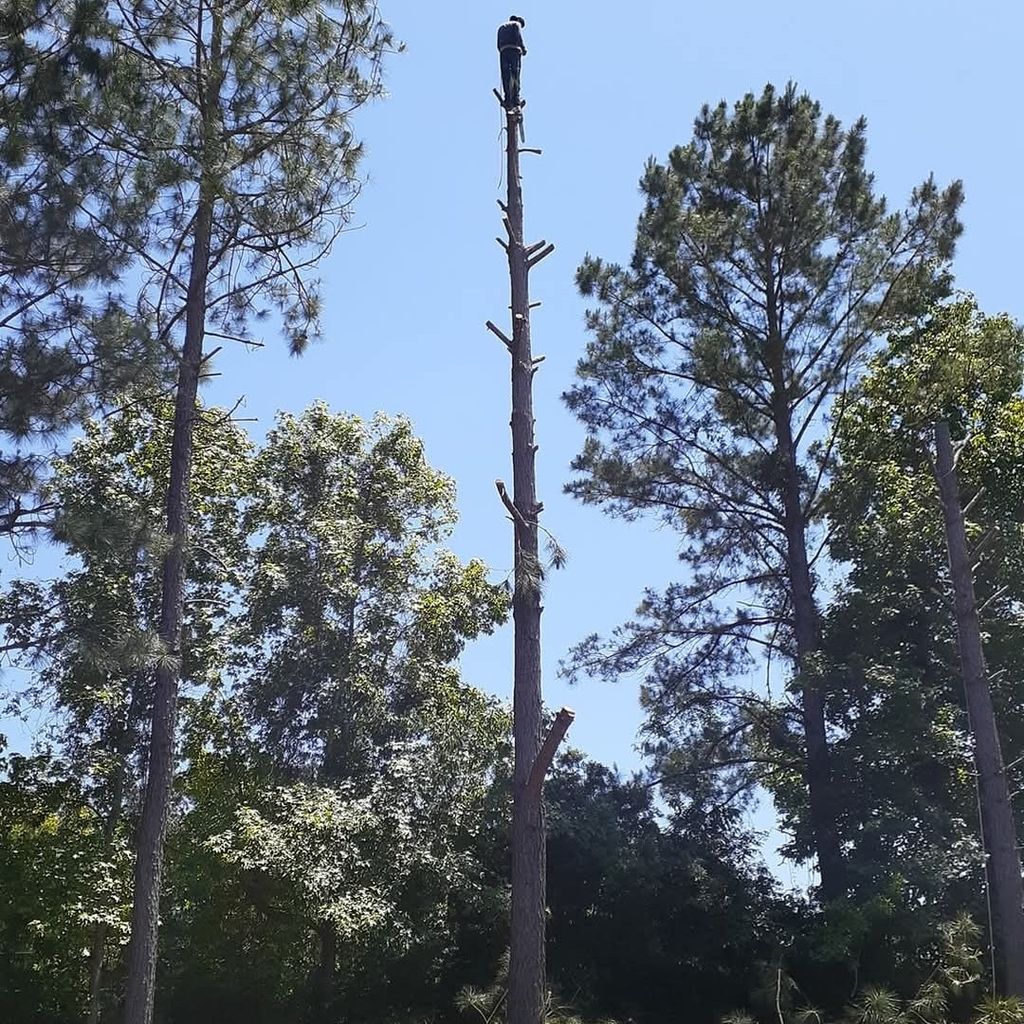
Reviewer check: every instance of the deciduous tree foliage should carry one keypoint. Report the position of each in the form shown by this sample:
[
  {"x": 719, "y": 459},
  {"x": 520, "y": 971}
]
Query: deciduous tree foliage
[
  {"x": 354, "y": 613},
  {"x": 354, "y": 619},
  {"x": 635, "y": 901},
  {"x": 900, "y": 685},
  {"x": 322, "y": 588},
  {"x": 765, "y": 265}
]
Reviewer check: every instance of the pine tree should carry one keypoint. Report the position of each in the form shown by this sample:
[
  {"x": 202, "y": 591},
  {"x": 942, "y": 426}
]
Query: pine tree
[
  {"x": 764, "y": 266},
  {"x": 69, "y": 219},
  {"x": 243, "y": 167}
]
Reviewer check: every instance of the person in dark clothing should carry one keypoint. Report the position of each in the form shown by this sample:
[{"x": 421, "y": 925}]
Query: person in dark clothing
[{"x": 512, "y": 50}]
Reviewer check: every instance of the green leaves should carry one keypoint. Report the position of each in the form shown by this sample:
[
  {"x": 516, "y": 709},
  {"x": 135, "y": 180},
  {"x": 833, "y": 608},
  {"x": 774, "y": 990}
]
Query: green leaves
[
  {"x": 335, "y": 772},
  {"x": 354, "y": 612},
  {"x": 59, "y": 876},
  {"x": 895, "y": 690}
]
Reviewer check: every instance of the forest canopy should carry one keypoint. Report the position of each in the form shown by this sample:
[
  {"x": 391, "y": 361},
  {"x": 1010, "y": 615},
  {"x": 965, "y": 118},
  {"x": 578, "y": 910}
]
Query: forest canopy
[{"x": 253, "y": 771}]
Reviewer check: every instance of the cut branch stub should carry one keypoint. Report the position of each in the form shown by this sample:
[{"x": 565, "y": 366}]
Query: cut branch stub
[
  {"x": 545, "y": 252},
  {"x": 510, "y": 504},
  {"x": 546, "y": 754},
  {"x": 496, "y": 330}
]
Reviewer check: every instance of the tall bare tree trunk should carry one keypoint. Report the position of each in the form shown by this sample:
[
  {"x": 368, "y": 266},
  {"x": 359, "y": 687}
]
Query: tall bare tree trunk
[
  {"x": 999, "y": 835},
  {"x": 527, "y": 987},
  {"x": 145, "y": 926},
  {"x": 527, "y": 983},
  {"x": 807, "y": 630}
]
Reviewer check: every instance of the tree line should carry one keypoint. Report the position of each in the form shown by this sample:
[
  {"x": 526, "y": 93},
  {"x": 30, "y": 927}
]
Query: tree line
[{"x": 265, "y": 792}]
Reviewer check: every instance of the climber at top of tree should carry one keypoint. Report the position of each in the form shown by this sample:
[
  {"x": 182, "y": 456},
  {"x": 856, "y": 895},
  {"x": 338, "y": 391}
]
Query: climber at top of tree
[{"x": 512, "y": 50}]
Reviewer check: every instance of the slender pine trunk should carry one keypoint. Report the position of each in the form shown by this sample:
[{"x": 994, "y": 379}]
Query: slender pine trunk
[
  {"x": 821, "y": 794},
  {"x": 999, "y": 834},
  {"x": 807, "y": 629},
  {"x": 142, "y": 949},
  {"x": 145, "y": 927},
  {"x": 324, "y": 976},
  {"x": 123, "y": 740}
]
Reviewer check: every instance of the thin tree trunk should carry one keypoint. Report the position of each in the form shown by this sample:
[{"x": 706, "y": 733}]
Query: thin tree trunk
[
  {"x": 807, "y": 633},
  {"x": 324, "y": 977},
  {"x": 821, "y": 795},
  {"x": 97, "y": 952},
  {"x": 123, "y": 742},
  {"x": 999, "y": 835},
  {"x": 142, "y": 949},
  {"x": 818, "y": 769},
  {"x": 145, "y": 926}
]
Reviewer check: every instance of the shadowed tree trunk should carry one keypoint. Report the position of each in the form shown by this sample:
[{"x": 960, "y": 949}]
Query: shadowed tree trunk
[
  {"x": 807, "y": 634},
  {"x": 1002, "y": 859},
  {"x": 324, "y": 975},
  {"x": 526, "y": 966}
]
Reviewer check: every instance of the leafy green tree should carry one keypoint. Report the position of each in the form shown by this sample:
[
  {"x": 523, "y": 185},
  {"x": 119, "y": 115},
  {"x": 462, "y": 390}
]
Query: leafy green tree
[
  {"x": 635, "y": 899},
  {"x": 323, "y": 622},
  {"x": 764, "y": 267},
  {"x": 354, "y": 614},
  {"x": 61, "y": 878},
  {"x": 90, "y": 637},
  {"x": 396, "y": 871},
  {"x": 900, "y": 692}
]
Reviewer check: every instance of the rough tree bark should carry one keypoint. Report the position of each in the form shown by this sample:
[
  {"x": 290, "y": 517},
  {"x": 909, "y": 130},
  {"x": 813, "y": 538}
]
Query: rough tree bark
[
  {"x": 999, "y": 835},
  {"x": 145, "y": 926},
  {"x": 806, "y": 622},
  {"x": 807, "y": 632},
  {"x": 142, "y": 949},
  {"x": 526, "y": 966},
  {"x": 526, "y": 984}
]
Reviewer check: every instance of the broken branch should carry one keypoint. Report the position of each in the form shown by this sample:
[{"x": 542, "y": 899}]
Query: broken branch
[
  {"x": 545, "y": 252},
  {"x": 510, "y": 504},
  {"x": 546, "y": 754},
  {"x": 495, "y": 329}
]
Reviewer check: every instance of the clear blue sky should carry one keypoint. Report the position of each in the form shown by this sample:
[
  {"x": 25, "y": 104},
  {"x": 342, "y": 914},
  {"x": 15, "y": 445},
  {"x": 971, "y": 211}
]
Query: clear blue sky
[{"x": 608, "y": 84}]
